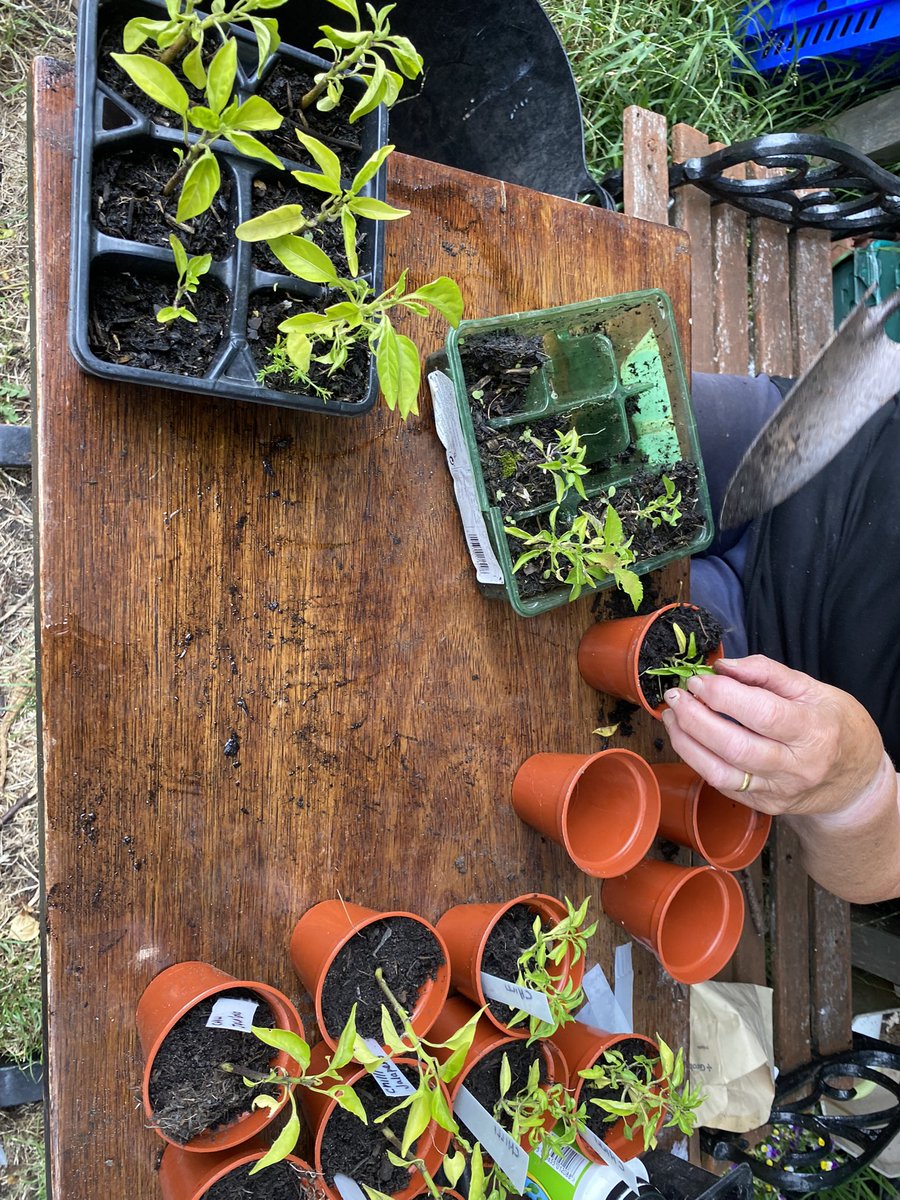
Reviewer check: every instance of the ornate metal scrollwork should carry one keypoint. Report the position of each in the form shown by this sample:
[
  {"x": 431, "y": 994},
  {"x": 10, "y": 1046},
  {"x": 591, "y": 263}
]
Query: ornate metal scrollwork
[
  {"x": 801, "y": 1170},
  {"x": 822, "y": 184}
]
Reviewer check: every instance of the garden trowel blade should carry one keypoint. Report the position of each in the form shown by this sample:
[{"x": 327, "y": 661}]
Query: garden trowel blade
[{"x": 856, "y": 372}]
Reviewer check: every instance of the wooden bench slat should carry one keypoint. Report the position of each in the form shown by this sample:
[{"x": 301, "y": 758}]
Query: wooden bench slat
[
  {"x": 647, "y": 186},
  {"x": 830, "y": 945},
  {"x": 789, "y": 942},
  {"x": 811, "y": 305},
  {"x": 691, "y": 213},
  {"x": 770, "y": 281}
]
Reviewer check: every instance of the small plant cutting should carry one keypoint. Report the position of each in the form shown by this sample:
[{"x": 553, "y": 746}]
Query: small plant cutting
[
  {"x": 642, "y": 1091},
  {"x": 687, "y": 662},
  {"x": 583, "y": 447},
  {"x": 190, "y": 271},
  {"x": 540, "y": 964}
]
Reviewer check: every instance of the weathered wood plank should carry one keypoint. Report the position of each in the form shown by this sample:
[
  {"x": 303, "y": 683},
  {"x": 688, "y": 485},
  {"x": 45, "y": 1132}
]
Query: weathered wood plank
[
  {"x": 645, "y": 165},
  {"x": 830, "y": 967},
  {"x": 770, "y": 268},
  {"x": 789, "y": 944},
  {"x": 811, "y": 303},
  {"x": 301, "y": 581},
  {"x": 731, "y": 284},
  {"x": 691, "y": 212}
]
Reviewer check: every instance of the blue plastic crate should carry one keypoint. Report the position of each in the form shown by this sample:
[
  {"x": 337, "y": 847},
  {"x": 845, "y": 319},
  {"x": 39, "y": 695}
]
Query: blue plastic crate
[{"x": 800, "y": 32}]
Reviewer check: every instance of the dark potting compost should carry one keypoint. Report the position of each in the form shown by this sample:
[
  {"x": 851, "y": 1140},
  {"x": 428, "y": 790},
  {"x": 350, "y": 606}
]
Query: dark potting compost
[
  {"x": 660, "y": 645},
  {"x": 409, "y": 956},
  {"x": 483, "y": 1081},
  {"x": 188, "y": 1092},
  {"x": 512, "y": 935},
  {"x": 271, "y": 190},
  {"x": 595, "y": 1118},
  {"x": 360, "y": 1151},
  {"x": 123, "y": 326},
  {"x": 284, "y": 86},
  {"x": 281, "y": 1181}
]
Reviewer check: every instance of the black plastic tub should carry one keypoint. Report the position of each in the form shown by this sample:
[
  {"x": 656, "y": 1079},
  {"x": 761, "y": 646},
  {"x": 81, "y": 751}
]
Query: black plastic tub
[{"x": 107, "y": 123}]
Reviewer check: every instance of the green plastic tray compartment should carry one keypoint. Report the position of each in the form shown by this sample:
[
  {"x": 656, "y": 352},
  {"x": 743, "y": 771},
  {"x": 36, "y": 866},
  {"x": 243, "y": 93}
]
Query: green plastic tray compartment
[{"x": 853, "y": 275}]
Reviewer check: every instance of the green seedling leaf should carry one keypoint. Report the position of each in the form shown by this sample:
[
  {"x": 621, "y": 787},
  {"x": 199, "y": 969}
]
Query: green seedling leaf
[
  {"x": 267, "y": 39},
  {"x": 257, "y": 114},
  {"x": 299, "y": 351},
  {"x": 348, "y": 228},
  {"x": 406, "y": 56},
  {"x": 443, "y": 294},
  {"x": 283, "y": 1144},
  {"x": 376, "y": 210},
  {"x": 275, "y": 223},
  {"x": 289, "y": 1043},
  {"x": 399, "y": 371},
  {"x": 343, "y": 1052},
  {"x": 170, "y": 313},
  {"x": 192, "y": 66},
  {"x": 326, "y": 160},
  {"x": 374, "y": 93},
  {"x": 308, "y": 323},
  {"x": 505, "y": 1076},
  {"x": 311, "y": 180},
  {"x": 199, "y": 188},
  {"x": 250, "y": 146},
  {"x": 155, "y": 80},
  {"x": 262, "y": 1101},
  {"x": 416, "y": 1122},
  {"x": 221, "y": 75},
  {"x": 178, "y": 250},
  {"x": 347, "y": 6},
  {"x": 303, "y": 259},
  {"x": 374, "y": 1194},
  {"x": 454, "y": 1164},
  {"x": 369, "y": 169},
  {"x": 138, "y": 30},
  {"x": 348, "y": 1100}
]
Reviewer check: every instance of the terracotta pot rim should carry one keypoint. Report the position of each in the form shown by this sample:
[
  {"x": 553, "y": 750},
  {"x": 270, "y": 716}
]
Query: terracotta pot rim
[
  {"x": 241, "y": 1156},
  {"x": 363, "y": 923},
  {"x": 750, "y": 845},
  {"x": 279, "y": 1058},
  {"x": 730, "y": 889}
]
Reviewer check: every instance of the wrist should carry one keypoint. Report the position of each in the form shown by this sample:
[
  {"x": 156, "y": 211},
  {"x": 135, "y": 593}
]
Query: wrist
[{"x": 879, "y": 794}]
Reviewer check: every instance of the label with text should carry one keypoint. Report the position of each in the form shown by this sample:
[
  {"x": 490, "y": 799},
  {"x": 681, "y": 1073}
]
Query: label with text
[
  {"x": 498, "y": 1144},
  {"x": 232, "y": 1014},
  {"x": 388, "y": 1076},
  {"x": 516, "y": 996}
]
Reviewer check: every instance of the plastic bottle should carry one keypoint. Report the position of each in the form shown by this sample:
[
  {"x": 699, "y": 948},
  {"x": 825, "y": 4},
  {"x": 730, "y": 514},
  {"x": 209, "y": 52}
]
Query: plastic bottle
[{"x": 571, "y": 1176}]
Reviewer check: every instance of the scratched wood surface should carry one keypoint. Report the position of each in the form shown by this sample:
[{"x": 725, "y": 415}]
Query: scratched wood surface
[{"x": 298, "y": 586}]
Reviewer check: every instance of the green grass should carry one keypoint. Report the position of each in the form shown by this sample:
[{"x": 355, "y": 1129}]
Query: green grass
[
  {"x": 676, "y": 57},
  {"x": 20, "y": 1000},
  {"x": 22, "y": 1138}
]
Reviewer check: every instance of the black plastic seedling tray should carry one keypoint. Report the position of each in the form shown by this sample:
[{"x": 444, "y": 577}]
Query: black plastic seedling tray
[{"x": 107, "y": 123}]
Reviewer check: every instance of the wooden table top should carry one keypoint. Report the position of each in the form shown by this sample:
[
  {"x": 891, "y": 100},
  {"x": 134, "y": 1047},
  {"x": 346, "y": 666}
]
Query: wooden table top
[{"x": 211, "y": 569}]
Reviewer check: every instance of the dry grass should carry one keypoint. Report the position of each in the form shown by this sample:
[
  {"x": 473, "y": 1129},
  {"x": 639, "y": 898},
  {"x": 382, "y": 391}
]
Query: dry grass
[{"x": 25, "y": 31}]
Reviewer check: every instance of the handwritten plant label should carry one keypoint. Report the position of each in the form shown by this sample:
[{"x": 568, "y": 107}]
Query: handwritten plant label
[
  {"x": 516, "y": 996},
  {"x": 388, "y": 1076},
  {"x": 232, "y": 1014},
  {"x": 348, "y": 1189},
  {"x": 609, "y": 1156},
  {"x": 502, "y": 1148}
]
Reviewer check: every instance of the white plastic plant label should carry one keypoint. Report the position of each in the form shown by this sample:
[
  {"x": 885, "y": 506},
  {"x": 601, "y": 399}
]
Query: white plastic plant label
[
  {"x": 624, "y": 983},
  {"x": 610, "y": 1157},
  {"x": 497, "y": 1143},
  {"x": 449, "y": 430},
  {"x": 516, "y": 996},
  {"x": 388, "y": 1076},
  {"x": 348, "y": 1189},
  {"x": 603, "y": 1010},
  {"x": 232, "y": 1014}
]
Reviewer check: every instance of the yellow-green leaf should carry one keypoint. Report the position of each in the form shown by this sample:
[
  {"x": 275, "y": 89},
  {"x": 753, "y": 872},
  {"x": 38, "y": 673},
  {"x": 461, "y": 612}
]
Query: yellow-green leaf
[
  {"x": 399, "y": 371},
  {"x": 155, "y": 80},
  {"x": 250, "y": 146},
  {"x": 199, "y": 188},
  {"x": 326, "y": 160},
  {"x": 192, "y": 66},
  {"x": 220, "y": 76},
  {"x": 369, "y": 169},
  {"x": 287, "y": 218},
  {"x": 303, "y": 259},
  {"x": 289, "y": 1043},
  {"x": 257, "y": 114},
  {"x": 443, "y": 294},
  {"x": 376, "y": 210},
  {"x": 283, "y": 1144},
  {"x": 416, "y": 1122},
  {"x": 348, "y": 226}
]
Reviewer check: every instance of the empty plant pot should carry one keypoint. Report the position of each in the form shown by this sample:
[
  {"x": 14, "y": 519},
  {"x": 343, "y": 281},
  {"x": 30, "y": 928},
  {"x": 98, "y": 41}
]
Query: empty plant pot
[
  {"x": 334, "y": 937},
  {"x": 347, "y": 1133},
  {"x": 185, "y": 1176},
  {"x": 727, "y": 834},
  {"x": 690, "y": 917},
  {"x": 602, "y": 808},
  {"x": 170, "y": 997},
  {"x": 467, "y": 930},
  {"x": 490, "y": 1041},
  {"x": 609, "y": 657},
  {"x": 581, "y": 1047}
]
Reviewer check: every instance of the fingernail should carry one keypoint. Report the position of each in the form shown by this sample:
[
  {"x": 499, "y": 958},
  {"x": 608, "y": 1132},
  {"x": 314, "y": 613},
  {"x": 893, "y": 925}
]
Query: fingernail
[{"x": 672, "y": 696}]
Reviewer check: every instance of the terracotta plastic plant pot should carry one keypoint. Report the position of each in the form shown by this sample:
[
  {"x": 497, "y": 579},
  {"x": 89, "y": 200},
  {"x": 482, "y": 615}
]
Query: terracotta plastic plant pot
[
  {"x": 488, "y": 1038},
  {"x": 317, "y": 1109},
  {"x": 581, "y": 1046},
  {"x": 184, "y": 1176},
  {"x": 690, "y": 917},
  {"x": 602, "y": 808},
  {"x": 166, "y": 999},
  {"x": 324, "y": 930},
  {"x": 609, "y": 656},
  {"x": 727, "y": 834},
  {"x": 466, "y": 929}
]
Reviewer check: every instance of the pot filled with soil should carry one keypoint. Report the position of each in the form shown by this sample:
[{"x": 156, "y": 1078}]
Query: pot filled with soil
[
  {"x": 582, "y": 1047},
  {"x": 192, "y": 1018},
  {"x": 481, "y": 1071},
  {"x": 602, "y": 808},
  {"x": 691, "y": 918},
  {"x": 225, "y": 1175},
  {"x": 213, "y": 181},
  {"x": 639, "y": 658},
  {"x": 579, "y": 440},
  {"x": 343, "y": 1145},
  {"x": 727, "y": 834},
  {"x": 340, "y": 950},
  {"x": 488, "y": 940}
]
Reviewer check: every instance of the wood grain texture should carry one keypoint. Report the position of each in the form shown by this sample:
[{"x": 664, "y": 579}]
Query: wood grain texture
[
  {"x": 731, "y": 284},
  {"x": 211, "y": 569},
  {"x": 691, "y": 212},
  {"x": 646, "y": 161},
  {"x": 831, "y": 1010},
  {"x": 770, "y": 268},
  {"x": 789, "y": 942},
  {"x": 811, "y": 301}
]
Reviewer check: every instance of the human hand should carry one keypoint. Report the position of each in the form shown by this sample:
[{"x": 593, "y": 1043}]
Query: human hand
[{"x": 809, "y": 748}]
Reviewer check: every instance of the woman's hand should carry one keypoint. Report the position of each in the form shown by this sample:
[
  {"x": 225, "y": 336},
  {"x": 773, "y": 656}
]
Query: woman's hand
[{"x": 808, "y": 748}]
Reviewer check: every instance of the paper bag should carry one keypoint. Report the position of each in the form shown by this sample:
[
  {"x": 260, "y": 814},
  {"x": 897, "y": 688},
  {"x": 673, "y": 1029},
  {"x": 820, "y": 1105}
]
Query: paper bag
[{"x": 731, "y": 1058}]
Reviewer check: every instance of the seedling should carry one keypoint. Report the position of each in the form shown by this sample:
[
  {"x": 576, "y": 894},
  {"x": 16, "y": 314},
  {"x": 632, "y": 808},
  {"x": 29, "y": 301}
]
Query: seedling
[
  {"x": 190, "y": 271},
  {"x": 328, "y": 1083},
  {"x": 361, "y": 318},
  {"x": 185, "y": 25},
  {"x": 530, "y": 1110},
  {"x": 567, "y": 938},
  {"x": 222, "y": 116},
  {"x": 684, "y": 665},
  {"x": 341, "y": 204},
  {"x": 584, "y": 554},
  {"x": 663, "y": 508},
  {"x": 648, "y": 1089},
  {"x": 563, "y": 459},
  {"x": 359, "y": 52}
]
